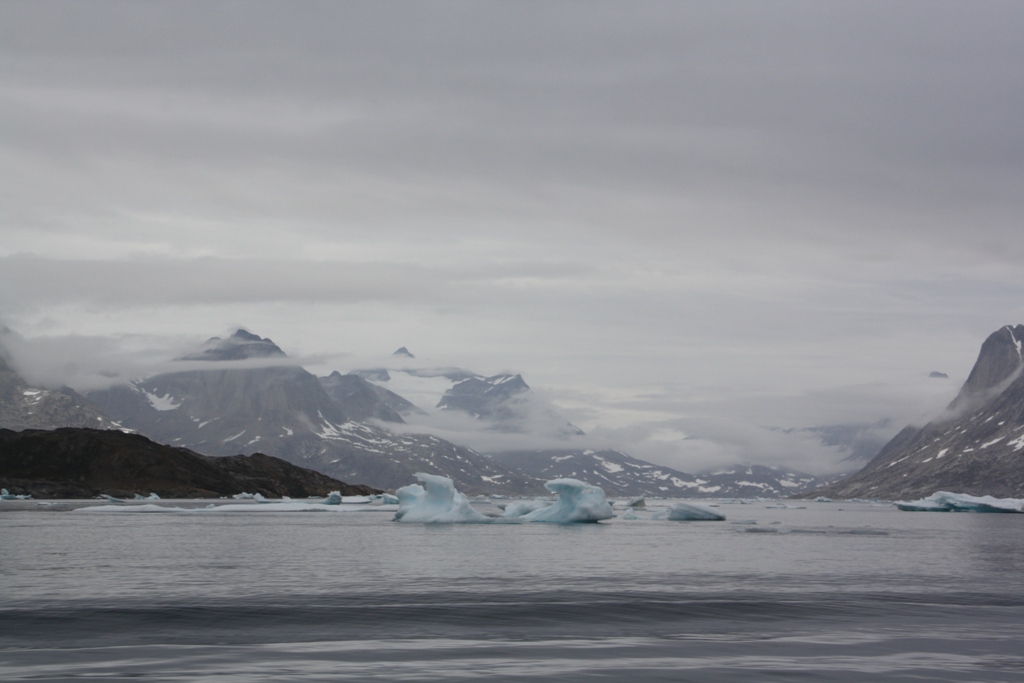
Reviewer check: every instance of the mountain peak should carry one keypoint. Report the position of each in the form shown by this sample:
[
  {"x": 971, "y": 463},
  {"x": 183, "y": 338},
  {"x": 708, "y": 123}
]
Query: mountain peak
[
  {"x": 239, "y": 346},
  {"x": 999, "y": 360},
  {"x": 403, "y": 352}
]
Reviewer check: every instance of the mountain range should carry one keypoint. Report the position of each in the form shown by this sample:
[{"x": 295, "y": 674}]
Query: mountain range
[
  {"x": 976, "y": 446},
  {"x": 242, "y": 393}
]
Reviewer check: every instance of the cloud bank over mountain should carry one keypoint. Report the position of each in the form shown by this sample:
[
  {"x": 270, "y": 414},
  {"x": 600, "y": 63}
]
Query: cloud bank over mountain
[{"x": 715, "y": 220}]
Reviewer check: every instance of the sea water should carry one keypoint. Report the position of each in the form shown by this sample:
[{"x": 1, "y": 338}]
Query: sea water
[{"x": 833, "y": 592}]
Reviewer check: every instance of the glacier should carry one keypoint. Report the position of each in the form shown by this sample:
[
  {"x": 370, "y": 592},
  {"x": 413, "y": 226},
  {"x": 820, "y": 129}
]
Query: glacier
[{"x": 944, "y": 501}]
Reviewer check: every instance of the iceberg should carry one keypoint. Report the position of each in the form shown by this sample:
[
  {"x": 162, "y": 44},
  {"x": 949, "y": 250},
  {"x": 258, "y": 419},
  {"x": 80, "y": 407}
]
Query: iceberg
[
  {"x": 944, "y": 501},
  {"x": 577, "y": 502},
  {"x": 523, "y": 507},
  {"x": 435, "y": 502},
  {"x": 388, "y": 499},
  {"x": 692, "y": 512},
  {"x": 152, "y": 496}
]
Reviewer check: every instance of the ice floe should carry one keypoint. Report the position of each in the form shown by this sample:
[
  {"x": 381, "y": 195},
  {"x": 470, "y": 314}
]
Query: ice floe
[
  {"x": 944, "y": 501},
  {"x": 692, "y": 512}
]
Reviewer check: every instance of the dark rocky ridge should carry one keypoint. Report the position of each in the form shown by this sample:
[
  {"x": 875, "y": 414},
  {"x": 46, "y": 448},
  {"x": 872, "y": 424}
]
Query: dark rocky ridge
[
  {"x": 976, "y": 447},
  {"x": 83, "y": 463}
]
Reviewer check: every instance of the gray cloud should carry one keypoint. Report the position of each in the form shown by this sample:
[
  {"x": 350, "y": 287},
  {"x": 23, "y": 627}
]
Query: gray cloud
[{"x": 675, "y": 214}]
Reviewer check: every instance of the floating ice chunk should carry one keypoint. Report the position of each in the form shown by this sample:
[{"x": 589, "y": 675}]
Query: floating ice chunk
[
  {"x": 243, "y": 496},
  {"x": 944, "y": 501},
  {"x": 119, "y": 509},
  {"x": 822, "y": 499},
  {"x": 110, "y": 499},
  {"x": 577, "y": 502},
  {"x": 435, "y": 502},
  {"x": 388, "y": 499},
  {"x": 356, "y": 500},
  {"x": 692, "y": 512},
  {"x": 152, "y": 496},
  {"x": 640, "y": 502},
  {"x": 333, "y": 498},
  {"x": 523, "y": 507}
]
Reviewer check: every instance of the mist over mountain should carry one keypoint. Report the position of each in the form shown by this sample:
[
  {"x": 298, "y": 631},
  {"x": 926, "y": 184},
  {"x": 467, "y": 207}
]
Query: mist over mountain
[
  {"x": 23, "y": 406},
  {"x": 287, "y": 412},
  {"x": 975, "y": 447},
  {"x": 379, "y": 424}
]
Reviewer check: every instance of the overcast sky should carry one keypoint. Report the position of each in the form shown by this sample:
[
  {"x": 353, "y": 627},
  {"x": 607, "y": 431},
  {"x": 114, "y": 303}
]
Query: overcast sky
[{"x": 705, "y": 219}]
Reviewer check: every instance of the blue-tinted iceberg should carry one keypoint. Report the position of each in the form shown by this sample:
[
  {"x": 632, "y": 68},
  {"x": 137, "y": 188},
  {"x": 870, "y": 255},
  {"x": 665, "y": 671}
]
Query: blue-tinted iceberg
[
  {"x": 944, "y": 501},
  {"x": 523, "y": 507},
  {"x": 692, "y": 512},
  {"x": 577, "y": 502},
  {"x": 435, "y": 502}
]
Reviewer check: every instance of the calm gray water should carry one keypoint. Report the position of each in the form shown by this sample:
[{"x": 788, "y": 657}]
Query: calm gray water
[{"x": 835, "y": 592}]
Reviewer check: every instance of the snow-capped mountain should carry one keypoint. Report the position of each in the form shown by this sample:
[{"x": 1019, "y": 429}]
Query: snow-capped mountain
[
  {"x": 975, "y": 447},
  {"x": 759, "y": 481},
  {"x": 27, "y": 407},
  {"x": 285, "y": 411},
  {"x": 502, "y": 402},
  {"x": 615, "y": 472},
  {"x": 620, "y": 474}
]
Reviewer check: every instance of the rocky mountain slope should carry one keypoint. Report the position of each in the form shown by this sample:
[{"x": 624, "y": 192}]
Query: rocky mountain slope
[
  {"x": 26, "y": 407},
  {"x": 83, "y": 463},
  {"x": 620, "y": 474},
  {"x": 976, "y": 447},
  {"x": 287, "y": 412},
  {"x": 362, "y": 400}
]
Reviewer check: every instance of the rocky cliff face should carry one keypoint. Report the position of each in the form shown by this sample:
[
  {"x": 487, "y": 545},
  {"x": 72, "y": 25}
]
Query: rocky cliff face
[
  {"x": 83, "y": 463},
  {"x": 976, "y": 447},
  {"x": 26, "y": 407}
]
